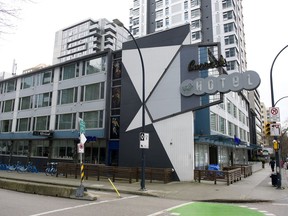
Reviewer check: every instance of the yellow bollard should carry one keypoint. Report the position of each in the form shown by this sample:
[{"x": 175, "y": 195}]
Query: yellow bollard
[{"x": 114, "y": 188}]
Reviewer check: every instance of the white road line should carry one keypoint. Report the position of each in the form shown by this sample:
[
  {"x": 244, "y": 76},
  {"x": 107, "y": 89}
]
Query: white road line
[
  {"x": 169, "y": 209},
  {"x": 280, "y": 204},
  {"x": 84, "y": 205}
]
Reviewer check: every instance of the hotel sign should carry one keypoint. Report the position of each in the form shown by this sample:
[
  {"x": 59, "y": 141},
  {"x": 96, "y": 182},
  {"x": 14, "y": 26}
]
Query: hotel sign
[{"x": 224, "y": 83}]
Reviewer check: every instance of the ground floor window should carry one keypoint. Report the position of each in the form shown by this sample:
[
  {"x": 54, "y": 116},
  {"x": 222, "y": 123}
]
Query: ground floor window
[
  {"x": 40, "y": 148},
  {"x": 201, "y": 156},
  {"x": 63, "y": 149},
  {"x": 20, "y": 147},
  {"x": 5, "y": 147}
]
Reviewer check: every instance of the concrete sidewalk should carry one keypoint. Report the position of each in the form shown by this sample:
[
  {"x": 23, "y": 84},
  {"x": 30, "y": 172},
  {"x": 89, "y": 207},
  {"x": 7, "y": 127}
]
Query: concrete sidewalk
[{"x": 255, "y": 188}]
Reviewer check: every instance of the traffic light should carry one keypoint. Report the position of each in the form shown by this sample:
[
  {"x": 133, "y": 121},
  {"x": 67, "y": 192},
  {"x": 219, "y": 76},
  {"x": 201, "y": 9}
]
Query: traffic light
[
  {"x": 267, "y": 129},
  {"x": 275, "y": 145}
]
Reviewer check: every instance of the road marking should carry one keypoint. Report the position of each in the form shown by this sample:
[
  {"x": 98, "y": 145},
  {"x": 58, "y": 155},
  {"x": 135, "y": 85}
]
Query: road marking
[
  {"x": 280, "y": 204},
  {"x": 169, "y": 209},
  {"x": 84, "y": 205}
]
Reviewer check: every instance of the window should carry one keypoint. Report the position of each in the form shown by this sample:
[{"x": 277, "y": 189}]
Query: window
[
  {"x": 66, "y": 96},
  {"x": 227, "y": 3},
  {"x": 5, "y": 147},
  {"x": 231, "y": 52},
  {"x": 228, "y": 15},
  {"x": 46, "y": 77},
  {"x": 27, "y": 82},
  {"x": 229, "y": 106},
  {"x": 230, "y": 129},
  {"x": 195, "y": 24},
  {"x": 65, "y": 121},
  {"x": 26, "y": 103},
  {"x": 231, "y": 39},
  {"x": 186, "y": 15},
  {"x": 92, "y": 92},
  {"x": 41, "y": 123},
  {"x": 23, "y": 124},
  {"x": 229, "y": 27},
  {"x": 186, "y": 5},
  {"x": 196, "y": 35},
  {"x": 40, "y": 148},
  {"x": 43, "y": 100},
  {"x": 20, "y": 147},
  {"x": 222, "y": 125},
  {"x": 6, "y": 125},
  {"x": 167, "y": 11},
  {"x": 69, "y": 71},
  {"x": 167, "y": 23},
  {"x": 213, "y": 121},
  {"x": 195, "y": 3},
  {"x": 195, "y": 13},
  {"x": 159, "y": 23},
  {"x": 10, "y": 86},
  {"x": 159, "y": 3},
  {"x": 64, "y": 149},
  {"x": 8, "y": 105},
  {"x": 135, "y": 21},
  {"x": 232, "y": 65},
  {"x": 159, "y": 13},
  {"x": 95, "y": 66},
  {"x": 93, "y": 119}
]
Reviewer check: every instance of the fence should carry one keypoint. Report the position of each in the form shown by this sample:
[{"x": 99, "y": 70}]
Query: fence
[{"x": 115, "y": 172}]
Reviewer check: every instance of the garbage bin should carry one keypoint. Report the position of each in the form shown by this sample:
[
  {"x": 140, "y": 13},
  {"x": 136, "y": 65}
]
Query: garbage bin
[{"x": 274, "y": 179}]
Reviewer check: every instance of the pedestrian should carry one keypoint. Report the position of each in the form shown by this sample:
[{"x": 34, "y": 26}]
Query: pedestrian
[{"x": 272, "y": 164}]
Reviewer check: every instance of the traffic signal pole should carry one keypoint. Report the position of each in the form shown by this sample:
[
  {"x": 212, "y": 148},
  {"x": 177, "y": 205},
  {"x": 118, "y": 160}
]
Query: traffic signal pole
[{"x": 277, "y": 152}]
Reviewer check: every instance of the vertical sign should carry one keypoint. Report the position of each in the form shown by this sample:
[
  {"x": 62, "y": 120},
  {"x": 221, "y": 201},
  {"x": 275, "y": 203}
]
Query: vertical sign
[
  {"x": 144, "y": 140},
  {"x": 274, "y": 114}
]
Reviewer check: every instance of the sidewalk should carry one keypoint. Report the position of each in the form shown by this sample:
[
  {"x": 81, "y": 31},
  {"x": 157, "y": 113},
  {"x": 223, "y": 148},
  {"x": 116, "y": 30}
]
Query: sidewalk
[{"x": 254, "y": 188}]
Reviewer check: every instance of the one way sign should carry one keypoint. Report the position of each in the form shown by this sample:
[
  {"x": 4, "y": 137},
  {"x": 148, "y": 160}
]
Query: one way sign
[{"x": 144, "y": 140}]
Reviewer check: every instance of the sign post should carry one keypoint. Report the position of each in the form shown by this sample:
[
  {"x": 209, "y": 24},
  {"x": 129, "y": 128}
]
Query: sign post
[{"x": 80, "y": 147}]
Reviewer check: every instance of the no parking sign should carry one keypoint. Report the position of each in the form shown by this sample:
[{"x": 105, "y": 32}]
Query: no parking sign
[{"x": 274, "y": 113}]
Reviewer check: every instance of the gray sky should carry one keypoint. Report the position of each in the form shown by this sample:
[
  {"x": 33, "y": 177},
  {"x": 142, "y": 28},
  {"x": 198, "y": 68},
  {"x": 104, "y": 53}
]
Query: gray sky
[{"x": 266, "y": 30}]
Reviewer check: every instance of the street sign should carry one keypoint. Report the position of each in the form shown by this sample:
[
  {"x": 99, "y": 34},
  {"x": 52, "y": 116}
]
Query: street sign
[
  {"x": 83, "y": 138},
  {"x": 275, "y": 129},
  {"x": 144, "y": 140},
  {"x": 82, "y": 125},
  {"x": 80, "y": 148},
  {"x": 274, "y": 113}
]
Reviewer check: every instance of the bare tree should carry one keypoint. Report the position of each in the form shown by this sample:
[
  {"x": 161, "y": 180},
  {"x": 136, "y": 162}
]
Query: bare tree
[{"x": 9, "y": 13}]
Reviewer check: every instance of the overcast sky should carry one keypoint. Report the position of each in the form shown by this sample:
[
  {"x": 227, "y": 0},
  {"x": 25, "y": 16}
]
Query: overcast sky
[{"x": 32, "y": 42}]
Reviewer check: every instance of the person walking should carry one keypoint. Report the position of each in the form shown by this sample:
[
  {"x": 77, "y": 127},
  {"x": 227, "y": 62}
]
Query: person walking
[{"x": 272, "y": 164}]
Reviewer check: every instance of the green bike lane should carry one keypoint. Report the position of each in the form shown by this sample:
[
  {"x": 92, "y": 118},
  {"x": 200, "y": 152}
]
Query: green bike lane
[{"x": 210, "y": 209}]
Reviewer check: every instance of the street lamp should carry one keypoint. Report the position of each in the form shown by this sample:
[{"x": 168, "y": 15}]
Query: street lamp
[
  {"x": 277, "y": 155},
  {"x": 119, "y": 23}
]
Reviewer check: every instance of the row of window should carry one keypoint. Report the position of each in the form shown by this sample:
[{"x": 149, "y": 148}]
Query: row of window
[
  {"x": 93, "y": 119},
  {"x": 67, "y": 72},
  {"x": 90, "y": 92},
  {"x": 219, "y": 124}
]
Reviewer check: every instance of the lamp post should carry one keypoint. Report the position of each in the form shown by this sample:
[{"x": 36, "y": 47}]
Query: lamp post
[
  {"x": 142, "y": 184},
  {"x": 277, "y": 155}
]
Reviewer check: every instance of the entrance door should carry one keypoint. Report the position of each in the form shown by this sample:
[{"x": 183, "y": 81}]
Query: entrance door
[{"x": 213, "y": 155}]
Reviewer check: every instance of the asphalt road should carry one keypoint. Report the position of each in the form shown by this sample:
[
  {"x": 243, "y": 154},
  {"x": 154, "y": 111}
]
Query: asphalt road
[{"x": 108, "y": 204}]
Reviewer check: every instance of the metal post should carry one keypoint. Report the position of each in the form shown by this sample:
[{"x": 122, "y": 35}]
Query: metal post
[
  {"x": 277, "y": 153},
  {"x": 116, "y": 21}
]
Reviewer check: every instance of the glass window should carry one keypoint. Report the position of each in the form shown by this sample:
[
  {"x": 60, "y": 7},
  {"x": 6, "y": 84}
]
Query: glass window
[
  {"x": 93, "y": 119},
  {"x": 69, "y": 71},
  {"x": 95, "y": 66},
  {"x": 27, "y": 82},
  {"x": 46, "y": 77},
  {"x": 40, "y": 148},
  {"x": 195, "y": 13},
  {"x": 5, "y": 147},
  {"x": 10, "y": 86},
  {"x": 92, "y": 92},
  {"x": 65, "y": 121},
  {"x": 196, "y": 35},
  {"x": 213, "y": 122},
  {"x": 6, "y": 126},
  {"x": 20, "y": 147},
  {"x": 26, "y": 103},
  {"x": 229, "y": 27},
  {"x": 159, "y": 23},
  {"x": 44, "y": 100},
  {"x": 63, "y": 149},
  {"x": 228, "y": 15},
  {"x": 41, "y": 123},
  {"x": 195, "y": 3},
  {"x": 195, "y": 24},
  {"x": 66, "y": 96},
  {"x": 23, "y": 124},
  {"x": 8, "y": 105},
  {"x": 222, "y": 125}
]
